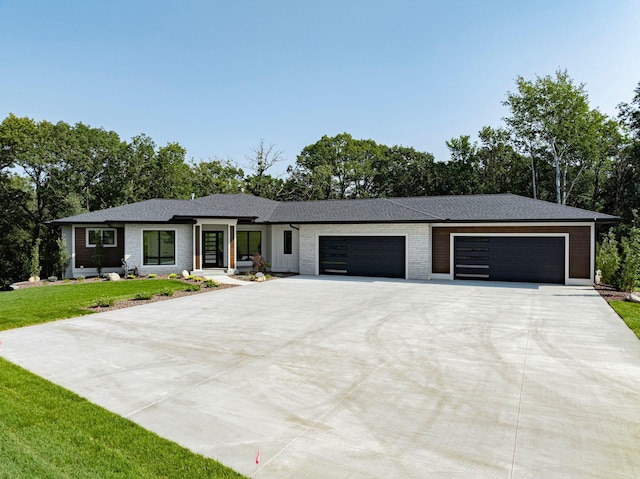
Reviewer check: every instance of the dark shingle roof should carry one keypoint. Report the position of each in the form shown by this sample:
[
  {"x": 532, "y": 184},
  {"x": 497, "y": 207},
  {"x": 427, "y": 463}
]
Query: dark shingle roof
[{"x": 428, "y": 209}]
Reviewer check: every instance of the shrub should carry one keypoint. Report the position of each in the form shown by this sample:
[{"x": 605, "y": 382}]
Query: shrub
[
  {"x": 103, "y": 303},
  {"x": 98, "y": 255},
  {"x": 197, "y": 279},
  {"x": 192, "y": 287},
  {"x": 173, "y": 276},
  {"x": 259, "y": 263},
  {"x": 143, "y": 296},
  {"x": 79, "y": 278},
  {"x": 210, "y": 283},
  {"x": 66, "y": 280},
  {"x": 63, "y": 257},
  {"x": 151, "y": 275},
  {"x": 52, "y": 279},
  {"x": 608, "y": 259},
  {"x": 191, "y": 277},
  {"x": 629, "y": 276},
  {"x": 131, "y": 276},
  {"x": 166, "y": 292},
  {"x": 34, "y": 267}
]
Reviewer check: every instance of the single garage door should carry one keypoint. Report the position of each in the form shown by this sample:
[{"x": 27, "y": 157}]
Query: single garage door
[
  {"x": 508, "y": 258},
  {"x": 380, "y": 256}
]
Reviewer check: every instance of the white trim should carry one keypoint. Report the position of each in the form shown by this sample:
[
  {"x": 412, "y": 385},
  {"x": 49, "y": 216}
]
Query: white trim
[
  {"x": 507, "y": 224},
  {"x": 592, "y": 255},
  {"x": 175, "y": 247},
  {"x": 406, "y": 247},
  {"x": 102, "y": 230},
  {"x": 452, "y": 237}
]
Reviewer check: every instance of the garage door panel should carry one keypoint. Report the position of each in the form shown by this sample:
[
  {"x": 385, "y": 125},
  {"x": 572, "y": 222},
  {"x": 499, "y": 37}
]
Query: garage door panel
[
  {"x": 379, "y": 256},
  {"x": 526, "y": 259}
]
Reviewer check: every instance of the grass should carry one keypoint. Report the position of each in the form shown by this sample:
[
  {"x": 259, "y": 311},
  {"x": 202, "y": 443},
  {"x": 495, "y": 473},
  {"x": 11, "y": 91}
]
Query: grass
[
  {"x": 630, "y": 314},
  {"x": 49, "y": 432},
  {"x": 48, "y": 303}
]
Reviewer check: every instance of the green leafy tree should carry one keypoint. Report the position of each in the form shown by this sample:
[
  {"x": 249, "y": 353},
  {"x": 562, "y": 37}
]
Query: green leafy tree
[
  {"x": 63, "y": 258},
  {"x": 608, "y": 258},
  {"x": 34, "y": 268},
  {"x": 216, "y": 176},
  {"x": 98, "y": 255},
  {"x": 629, "y": 275},
  {"x": 552, "y": 123}
]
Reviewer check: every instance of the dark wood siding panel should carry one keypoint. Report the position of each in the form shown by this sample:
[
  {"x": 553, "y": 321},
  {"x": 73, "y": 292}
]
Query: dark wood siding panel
[
  {"x": 579, "y": 244},
  {"x": 197, "y": 240},
  {"x": 232, "y": 247},
  {"x": 84, "y": 255}
]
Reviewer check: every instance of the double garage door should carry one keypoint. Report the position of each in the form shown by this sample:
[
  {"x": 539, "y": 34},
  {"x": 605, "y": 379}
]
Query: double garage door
[
  {"x": 510, "y": 258},
  {"x": 379, "y": 256}
]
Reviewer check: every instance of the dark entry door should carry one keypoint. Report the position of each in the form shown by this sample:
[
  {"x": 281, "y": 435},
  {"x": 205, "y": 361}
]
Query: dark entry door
[
  {"x": 213, "y": 249},
  {"x": 381, "y": 256},
  {"x": 510, "y": 258}
]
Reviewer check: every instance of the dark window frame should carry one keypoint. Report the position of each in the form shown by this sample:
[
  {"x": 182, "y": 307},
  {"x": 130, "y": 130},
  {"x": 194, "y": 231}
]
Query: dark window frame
[
  {"x": 288, "y": 242},
  {"x": 160, "y": 257},
  {"x": 247, "y": 255}
]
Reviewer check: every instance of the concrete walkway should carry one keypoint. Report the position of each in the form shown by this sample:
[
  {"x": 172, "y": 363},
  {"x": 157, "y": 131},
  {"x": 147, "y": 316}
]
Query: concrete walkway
[{"x": 335, "y": 378}]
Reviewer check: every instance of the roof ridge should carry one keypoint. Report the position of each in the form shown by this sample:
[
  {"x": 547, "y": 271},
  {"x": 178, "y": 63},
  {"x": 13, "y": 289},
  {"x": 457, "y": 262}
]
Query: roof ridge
[{"x": 414, "y": 209}]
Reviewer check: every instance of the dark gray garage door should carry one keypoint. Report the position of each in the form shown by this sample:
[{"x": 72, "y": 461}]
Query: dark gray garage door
[
  {"x": 380, "y": 256},
  {"x": 501, "y": 258}
]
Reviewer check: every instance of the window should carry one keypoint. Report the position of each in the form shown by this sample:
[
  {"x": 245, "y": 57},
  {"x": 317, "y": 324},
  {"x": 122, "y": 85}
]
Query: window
[
  {"x": 249, "y": 242},
  {"x": 159, "y": 247},
  {"x": 109, "y": 237},
  {"x": 288, "y": 242}
]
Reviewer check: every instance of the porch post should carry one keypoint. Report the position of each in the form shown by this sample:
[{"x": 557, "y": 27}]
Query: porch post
[{"x": 232, "y": 247}]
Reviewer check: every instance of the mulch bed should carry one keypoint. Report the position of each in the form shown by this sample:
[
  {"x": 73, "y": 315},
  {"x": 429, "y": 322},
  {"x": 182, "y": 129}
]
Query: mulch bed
[
  {"x": 610, "y": 293},
  {"x": 127, "y": 303}
]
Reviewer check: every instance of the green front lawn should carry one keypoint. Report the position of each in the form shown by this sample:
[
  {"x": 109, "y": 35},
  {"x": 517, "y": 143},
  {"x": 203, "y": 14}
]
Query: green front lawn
[
  {"x": 49, "y": 432},
  {"x": 48, "y": 303},
  {"x": 630, "y": 313}
]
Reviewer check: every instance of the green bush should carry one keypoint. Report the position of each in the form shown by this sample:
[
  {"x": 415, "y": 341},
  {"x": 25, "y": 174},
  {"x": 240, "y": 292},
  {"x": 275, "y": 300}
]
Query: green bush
[
  {"x": 173, "y": 276},
  {"x": 210, "y": 283},
  {"x": 197, "y": 279},
  {"x": 143, "y": 296},
  {"x": 191, "y": 277},
  {"x": 192, "y": 287},
  {"x": 52, "y": 279},
  {"x": 608, "y": 259},
  {"x": 79, "y": 278},
  {"x": 103, "y": 303},
  {"x": 131, "y": 276},
  {"x": 166, "y": 292},
  {"x": 151, "y": 275},
  {"x": 629, "y": 276}
]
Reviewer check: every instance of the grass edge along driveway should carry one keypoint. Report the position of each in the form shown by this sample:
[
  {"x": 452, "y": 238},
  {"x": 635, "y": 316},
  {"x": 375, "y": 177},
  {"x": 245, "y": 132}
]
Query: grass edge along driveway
[
  {"x": 630, "y": 314},
  {"x": 25, "y": 307},
  {"x": 50, "y": 432}
]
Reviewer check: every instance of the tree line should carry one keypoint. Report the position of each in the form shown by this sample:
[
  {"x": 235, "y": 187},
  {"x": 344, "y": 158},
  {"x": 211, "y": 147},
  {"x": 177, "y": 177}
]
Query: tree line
[{"x": 553, "y": 146}]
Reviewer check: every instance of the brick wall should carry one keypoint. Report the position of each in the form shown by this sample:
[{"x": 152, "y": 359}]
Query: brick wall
[
  {"x": 184, "y": 248},
  {"x": 418, "y": 263}
]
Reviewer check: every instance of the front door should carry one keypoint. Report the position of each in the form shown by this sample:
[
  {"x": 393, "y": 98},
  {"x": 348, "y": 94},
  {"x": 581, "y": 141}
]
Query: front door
[{"x": 213, "y": 248}]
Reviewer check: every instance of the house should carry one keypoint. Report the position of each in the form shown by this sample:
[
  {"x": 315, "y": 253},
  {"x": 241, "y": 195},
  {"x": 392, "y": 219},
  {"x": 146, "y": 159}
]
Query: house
[{"x": 481, "y": 237}]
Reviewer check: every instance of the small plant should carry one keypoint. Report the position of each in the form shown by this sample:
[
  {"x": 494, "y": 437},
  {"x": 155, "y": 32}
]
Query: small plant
[
  {"x": 52, "y": 279},
  {"x": 66, "y": 280},
  {"x": 259, "y": 263},
  {"x": 98, "y": 255},
  {"x": 103, "y": 303},
  {"x": 79, "y": 278},
  {"x": 197, "y": 279},
  {"x": 191, "y": 277},
  {"x": 211, "y": 283},
  {"x": 173, "y": 276},
  {"x": 166, "y": 292},
  {"x": 143, "y": 296},
  {"x": 131, "y": 276},
  {"x": 192, "y": 287},
  {"x": 268, "y": 276},
  {"x": 252, "y": 277},
  {"x": 151, "y": 275}
]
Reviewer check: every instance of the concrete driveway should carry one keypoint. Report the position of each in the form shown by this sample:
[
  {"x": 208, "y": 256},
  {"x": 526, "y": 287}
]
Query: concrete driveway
[{"x": 336, "y": 378}]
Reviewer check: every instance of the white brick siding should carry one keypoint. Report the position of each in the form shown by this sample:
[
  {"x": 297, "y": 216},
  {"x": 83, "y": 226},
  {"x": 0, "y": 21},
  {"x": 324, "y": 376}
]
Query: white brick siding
[
  {"x": 418, "y": 244},
  {"x": 184, "y": 248}
]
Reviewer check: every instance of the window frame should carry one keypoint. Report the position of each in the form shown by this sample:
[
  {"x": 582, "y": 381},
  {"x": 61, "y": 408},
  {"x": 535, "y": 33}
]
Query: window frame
[
  {"x": 89, "y": 244},
  {"x": 249, "y": 256},
  {"x": 287, "y": 237},
  {"x": 144, "y": 256}
]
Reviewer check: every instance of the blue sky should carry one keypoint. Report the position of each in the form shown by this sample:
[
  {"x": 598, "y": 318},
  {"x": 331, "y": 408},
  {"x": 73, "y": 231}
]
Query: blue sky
[{"x": 217, "y": 76}]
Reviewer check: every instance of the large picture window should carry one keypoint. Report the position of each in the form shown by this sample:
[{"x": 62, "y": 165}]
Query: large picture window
[
  {"x": 109, "y": 237},
  {"x": 249, "y": 243},
  {"x": 159, "y": 247}
]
